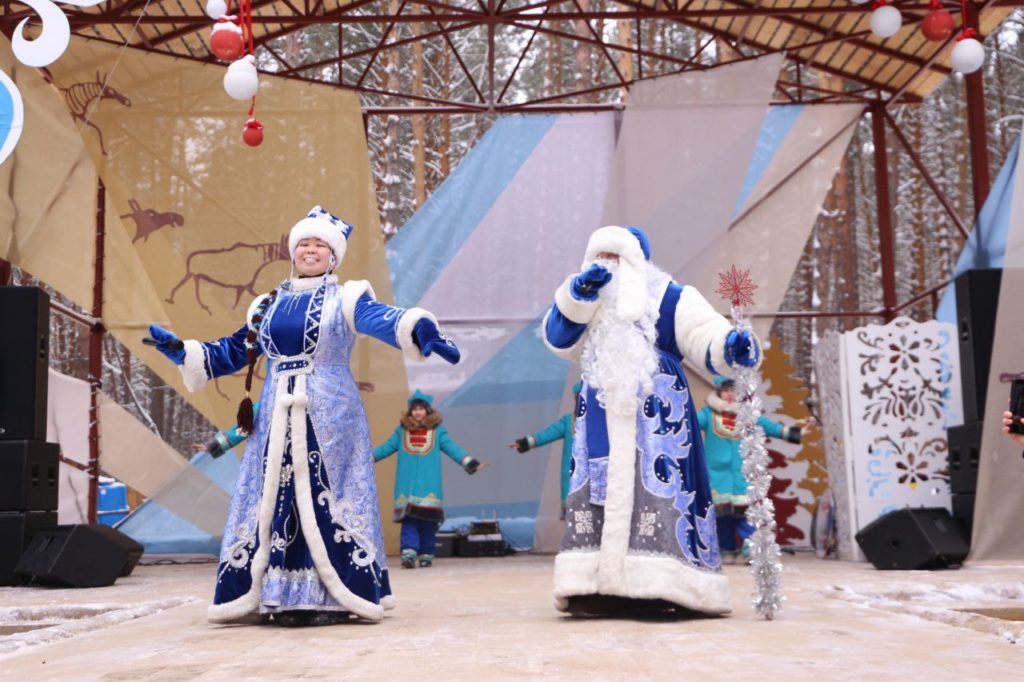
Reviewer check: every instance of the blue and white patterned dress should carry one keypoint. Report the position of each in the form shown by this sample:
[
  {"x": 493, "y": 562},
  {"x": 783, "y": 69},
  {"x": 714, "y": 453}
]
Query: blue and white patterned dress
[{"x": 304, "y": 529}]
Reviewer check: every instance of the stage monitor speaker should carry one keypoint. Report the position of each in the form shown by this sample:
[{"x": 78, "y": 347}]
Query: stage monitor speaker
[
  {"x": 24, "y": 358},
  {"x": 963, "y": 512},
  {"x": 84, "y": 555},
  {"x": 963, "y": 456},
  {"x": 28, "y": 475},
  {"x": 16, "y": 532},
  {"x": 913, "y": 539},
  {"x": 133, "y": 548},
  {"x": 977, "y": 300}
]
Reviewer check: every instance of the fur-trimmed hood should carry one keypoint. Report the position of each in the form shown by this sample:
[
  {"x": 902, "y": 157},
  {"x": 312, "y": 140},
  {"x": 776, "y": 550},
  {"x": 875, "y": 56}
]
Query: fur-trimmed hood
[
  {"x": 718, "y": 405},
  {"x": 431, "y": 421}
]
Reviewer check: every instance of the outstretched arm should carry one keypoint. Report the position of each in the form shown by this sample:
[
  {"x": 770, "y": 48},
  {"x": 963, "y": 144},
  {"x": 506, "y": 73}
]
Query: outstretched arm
[
  {"x": 702, "y": 334},
  {"x": 551, "y": 433},
  {"x": 388, "y": 447},
  {"x": 413, "y": 330},
  {"x": 201, "y": 361},
  {"x": 455, "y": 451}
]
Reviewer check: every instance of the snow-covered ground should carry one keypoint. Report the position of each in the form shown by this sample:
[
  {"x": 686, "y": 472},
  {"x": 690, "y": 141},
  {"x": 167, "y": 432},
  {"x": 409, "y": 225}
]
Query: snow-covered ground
[{"x": 485, "y": 619}]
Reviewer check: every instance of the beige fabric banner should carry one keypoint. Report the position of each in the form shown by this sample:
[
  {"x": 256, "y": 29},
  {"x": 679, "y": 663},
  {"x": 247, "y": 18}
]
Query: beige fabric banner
[
  {"x": 196, "y": 221},
  {"x": 48, "y": 190}
]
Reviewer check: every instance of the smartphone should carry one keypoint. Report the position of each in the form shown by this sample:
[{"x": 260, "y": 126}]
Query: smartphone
[{"x": 1017, "y": 405}]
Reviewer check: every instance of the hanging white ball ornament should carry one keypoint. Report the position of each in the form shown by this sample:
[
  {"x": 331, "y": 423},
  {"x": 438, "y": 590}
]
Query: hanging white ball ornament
[
  {"x": 241, "y": 80},
  {"x": 216, "y": 8},
  {"x": 860, "y": 2},
  {"x": 886, "y": 21},
  {"x": 968, "y": 55}
]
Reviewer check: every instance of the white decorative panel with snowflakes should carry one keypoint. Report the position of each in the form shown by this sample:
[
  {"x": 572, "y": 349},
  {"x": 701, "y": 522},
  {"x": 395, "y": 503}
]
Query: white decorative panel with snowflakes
[{"x": 900, "y": 391}]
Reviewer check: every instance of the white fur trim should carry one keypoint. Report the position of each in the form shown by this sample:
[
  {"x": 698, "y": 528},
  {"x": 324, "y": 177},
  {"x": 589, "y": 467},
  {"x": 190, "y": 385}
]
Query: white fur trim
[
  {"x": 351, "y": 292},
  {"x": 252, "y": 308},
  {"x": 614, "y": 239},
  {"x": 307, "y": 517},
  {"x": 322, "y": 229},
  {"x": 193, "y": 370},
  {"x": 719, "y": 405},
  {"x": 388, "y": 602},
  {"x": 572, "y": 353},
  {"x": 250, "y": 601},
  {"x": 573, "y": 309},
  {"x": 700, "y": 327},
  {"x": 632, "y": 272},
  {"x": 618, "y": 506},
  {"x": 309, "y": 283},
  {"x": 295, "y": 411},
  {"x": 645, "y": 577},
  {"x": 406, "y": 325}
]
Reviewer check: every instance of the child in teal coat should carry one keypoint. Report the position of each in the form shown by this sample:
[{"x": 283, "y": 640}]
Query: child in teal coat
[
  {"x": 725, "y": 464},
  {"x": 561, "y": 429},
  {"x": 419, "y": 441}
]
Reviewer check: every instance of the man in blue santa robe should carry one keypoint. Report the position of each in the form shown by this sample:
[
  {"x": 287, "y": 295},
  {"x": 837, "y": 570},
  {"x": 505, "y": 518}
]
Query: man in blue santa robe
[{"x": 640, "y": 521}]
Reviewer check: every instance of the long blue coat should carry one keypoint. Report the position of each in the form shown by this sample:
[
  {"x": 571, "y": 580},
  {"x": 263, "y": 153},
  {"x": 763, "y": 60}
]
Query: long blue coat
[
  {"x": 303, "y": 529},
  {"x": 640, "y": 521}
]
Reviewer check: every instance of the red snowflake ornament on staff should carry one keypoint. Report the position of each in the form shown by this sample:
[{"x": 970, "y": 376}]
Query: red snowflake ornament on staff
[{"x": 738, "y": 288}]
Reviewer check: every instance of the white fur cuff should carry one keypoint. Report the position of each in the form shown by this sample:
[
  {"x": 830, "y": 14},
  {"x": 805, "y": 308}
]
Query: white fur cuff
[
  {"x": 700, "y": 328},
  {"x": 193, "y": 371},
  {"x": 574, "y": 310},
  {"x": 351, "y": 292},
  {"x": 405, "y": 328}
]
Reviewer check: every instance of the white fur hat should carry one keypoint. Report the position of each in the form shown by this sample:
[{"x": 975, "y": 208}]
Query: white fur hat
[
  {"x": 323, "y": 225},
  {"x": 633, "y": 249}
]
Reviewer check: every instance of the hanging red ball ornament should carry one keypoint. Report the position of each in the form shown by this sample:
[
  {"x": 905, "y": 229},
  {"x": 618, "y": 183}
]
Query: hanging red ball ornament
[
  {"x": 226, "y": 39},
  {"x": 938, "y": 24},
  {"x": 252, "y": 134}
]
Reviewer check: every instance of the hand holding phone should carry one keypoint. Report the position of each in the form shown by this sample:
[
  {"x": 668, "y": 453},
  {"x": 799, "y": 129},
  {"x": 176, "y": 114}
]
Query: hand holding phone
[{"x": 1017, "y": 405}]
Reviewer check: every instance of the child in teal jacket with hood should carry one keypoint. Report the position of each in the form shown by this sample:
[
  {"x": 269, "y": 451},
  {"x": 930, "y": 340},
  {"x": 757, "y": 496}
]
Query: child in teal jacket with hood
[
  {"x": 561, "y": 429},
  {"x": 419, "y": 441},
  {"x": 725, "y": 464}
]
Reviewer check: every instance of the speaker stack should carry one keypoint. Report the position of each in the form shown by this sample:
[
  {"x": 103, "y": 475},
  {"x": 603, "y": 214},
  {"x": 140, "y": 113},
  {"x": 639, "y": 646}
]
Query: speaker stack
[
  {"x": 977, "y": 301},
  {"x": 28, "y": 464},
  {"x": 32, "y": 545}
]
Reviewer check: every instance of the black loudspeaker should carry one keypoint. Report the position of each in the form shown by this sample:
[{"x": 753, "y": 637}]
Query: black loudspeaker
[
  {"x": 24, "y": 358},
  {"x": 133, "y": 548},
  {"x": 86, "y": 555},
  {"x": 16, "y": 532},
  {"x": 977, "y": 300},
  {"x": 914, "y": 539},
  {"x": 963, "y": 512},
  {"x": 964, "y": 453},
  {"x": 28, "y": 475}
]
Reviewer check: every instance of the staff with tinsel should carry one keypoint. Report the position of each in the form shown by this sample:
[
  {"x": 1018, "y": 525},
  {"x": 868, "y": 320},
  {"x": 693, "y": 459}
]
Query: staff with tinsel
[{"x": 736, "y": 287}]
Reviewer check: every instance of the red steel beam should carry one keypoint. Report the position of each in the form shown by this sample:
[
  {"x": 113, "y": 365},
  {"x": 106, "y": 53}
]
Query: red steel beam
[
  {"x": 886, "y": 242},
  {"x": 977, "y": 126},
  {"x": 383, "y": 39},
  {"x": 96, "y": 350},
  {"x": 461, "y": 62}
]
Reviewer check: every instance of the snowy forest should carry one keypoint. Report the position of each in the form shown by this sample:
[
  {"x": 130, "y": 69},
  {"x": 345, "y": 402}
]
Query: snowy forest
[{"x": 412, "y": 154}]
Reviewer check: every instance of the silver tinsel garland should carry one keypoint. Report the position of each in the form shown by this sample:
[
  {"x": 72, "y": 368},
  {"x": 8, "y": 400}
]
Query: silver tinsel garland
[{"x": 766, "y": 559}]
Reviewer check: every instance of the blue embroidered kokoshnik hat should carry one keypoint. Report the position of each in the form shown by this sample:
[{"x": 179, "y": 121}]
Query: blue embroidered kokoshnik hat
[{"x": 324, "y": 225}]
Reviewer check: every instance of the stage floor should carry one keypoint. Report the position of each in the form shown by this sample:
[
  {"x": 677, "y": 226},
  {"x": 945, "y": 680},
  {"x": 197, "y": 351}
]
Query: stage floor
[{"x": 488, "y": 619}]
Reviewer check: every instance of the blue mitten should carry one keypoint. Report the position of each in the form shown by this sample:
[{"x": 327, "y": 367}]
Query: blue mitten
[
  {"x": 741, "y": 349},
  {"x": 168, "y": 344},
  {"x": 430, "y": 340},
  {"x": 585, "y": 285}
]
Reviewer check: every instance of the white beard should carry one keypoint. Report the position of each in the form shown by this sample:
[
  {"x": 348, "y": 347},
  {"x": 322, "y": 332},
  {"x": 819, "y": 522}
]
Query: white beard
[{"x": 620, "y": 357}]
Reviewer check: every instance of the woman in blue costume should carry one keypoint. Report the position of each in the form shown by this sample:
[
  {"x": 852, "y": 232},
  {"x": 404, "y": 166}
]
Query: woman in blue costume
[
  {"x": 640, "y": 523},
  {"x": 303, "y": 537}
]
